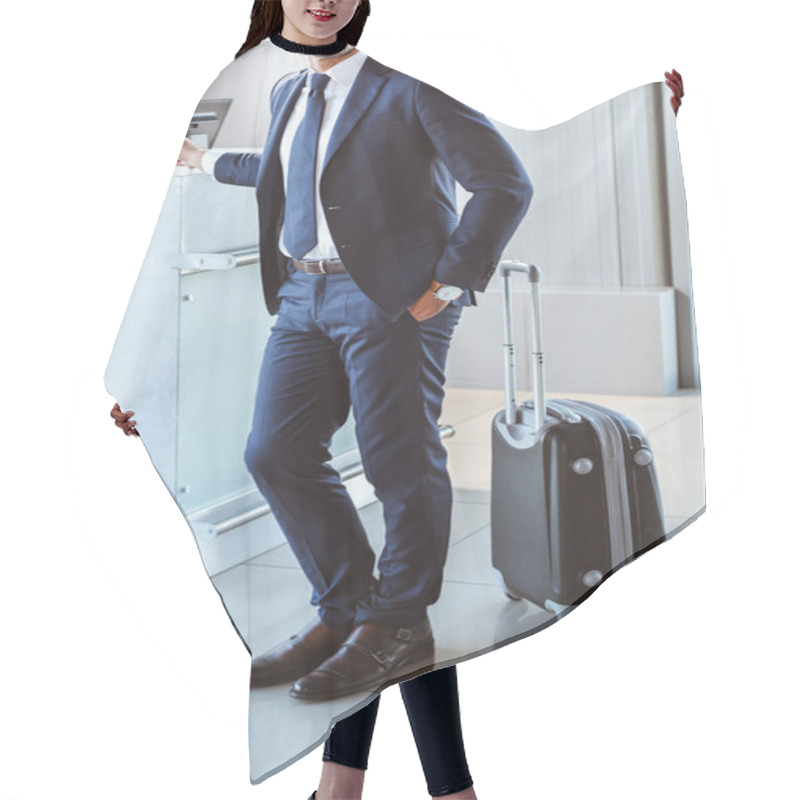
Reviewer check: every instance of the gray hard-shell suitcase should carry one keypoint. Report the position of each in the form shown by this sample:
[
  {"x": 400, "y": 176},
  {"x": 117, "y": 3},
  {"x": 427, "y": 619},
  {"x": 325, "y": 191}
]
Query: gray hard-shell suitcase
[{"x": 574, "y": 488}]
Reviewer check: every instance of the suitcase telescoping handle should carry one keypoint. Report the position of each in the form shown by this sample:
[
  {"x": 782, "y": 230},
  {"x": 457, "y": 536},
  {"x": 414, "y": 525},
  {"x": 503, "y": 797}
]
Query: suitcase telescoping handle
[{"x": 537, "y": 356}]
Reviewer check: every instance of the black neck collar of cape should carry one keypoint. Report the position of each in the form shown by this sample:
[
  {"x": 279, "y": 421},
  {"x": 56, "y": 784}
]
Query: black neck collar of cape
[{"x": 309, "y": 49}]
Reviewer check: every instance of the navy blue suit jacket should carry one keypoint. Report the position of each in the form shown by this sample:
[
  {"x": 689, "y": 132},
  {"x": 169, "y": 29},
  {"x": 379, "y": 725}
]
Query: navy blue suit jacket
[{"x": 388, "y": 188}]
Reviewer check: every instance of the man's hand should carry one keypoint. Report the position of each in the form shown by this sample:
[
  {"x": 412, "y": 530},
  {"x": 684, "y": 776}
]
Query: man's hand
[
  {"x": 428, "y": 305},
  {"x": 191, "y": 155},
  {"x": 123, "y": 420},
  {"x": 675, "y": 82}
]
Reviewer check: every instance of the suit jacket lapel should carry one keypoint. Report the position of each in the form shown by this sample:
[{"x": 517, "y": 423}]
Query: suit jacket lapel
[
  {"x": 366, "y": 86},
  {"x": 282, "y": 112}
]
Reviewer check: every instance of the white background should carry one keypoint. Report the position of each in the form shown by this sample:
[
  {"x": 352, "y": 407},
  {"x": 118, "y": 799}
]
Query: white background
[{"x": 120, "y": 674}]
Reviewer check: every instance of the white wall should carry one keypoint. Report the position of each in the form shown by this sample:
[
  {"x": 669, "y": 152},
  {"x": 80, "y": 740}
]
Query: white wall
[{"x": 607, "y": 230}]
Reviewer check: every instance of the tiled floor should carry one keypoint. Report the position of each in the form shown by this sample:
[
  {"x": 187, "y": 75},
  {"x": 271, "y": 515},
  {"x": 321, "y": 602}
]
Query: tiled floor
[{"x": 267, "y": 597}]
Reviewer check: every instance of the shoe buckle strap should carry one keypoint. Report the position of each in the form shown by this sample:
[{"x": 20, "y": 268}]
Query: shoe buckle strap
[{"x": 379, "y": 655}]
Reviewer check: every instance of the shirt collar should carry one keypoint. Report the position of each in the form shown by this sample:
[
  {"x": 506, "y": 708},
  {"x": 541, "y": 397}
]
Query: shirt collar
[{"x": 344, "y": 72}]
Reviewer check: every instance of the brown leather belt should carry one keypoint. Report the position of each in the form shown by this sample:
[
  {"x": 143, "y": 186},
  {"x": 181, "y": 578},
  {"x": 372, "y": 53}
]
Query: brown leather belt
[{"x": 322, "y": 266}]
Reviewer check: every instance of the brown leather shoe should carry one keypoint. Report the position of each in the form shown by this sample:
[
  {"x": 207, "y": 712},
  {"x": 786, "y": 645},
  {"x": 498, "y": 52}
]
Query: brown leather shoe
[
  {"x": 374, "y": 656},
  {"x": 297, "y": 656}
]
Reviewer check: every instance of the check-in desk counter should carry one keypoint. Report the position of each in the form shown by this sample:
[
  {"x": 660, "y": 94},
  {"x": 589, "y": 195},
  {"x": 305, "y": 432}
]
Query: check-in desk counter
[{"x": 195, "y": 333}]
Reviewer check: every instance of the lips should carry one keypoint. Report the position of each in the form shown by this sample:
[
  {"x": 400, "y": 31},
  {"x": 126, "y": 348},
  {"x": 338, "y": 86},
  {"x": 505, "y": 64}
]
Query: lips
[{"x": 323, "y": 16}]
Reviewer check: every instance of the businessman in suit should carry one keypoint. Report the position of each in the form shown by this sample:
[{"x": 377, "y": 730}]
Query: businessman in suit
[{"x": 367, "y": 264}]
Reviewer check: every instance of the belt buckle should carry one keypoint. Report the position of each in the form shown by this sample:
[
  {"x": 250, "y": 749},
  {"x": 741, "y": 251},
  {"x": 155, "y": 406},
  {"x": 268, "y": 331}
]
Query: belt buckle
[{"x": 321, "y": 264}]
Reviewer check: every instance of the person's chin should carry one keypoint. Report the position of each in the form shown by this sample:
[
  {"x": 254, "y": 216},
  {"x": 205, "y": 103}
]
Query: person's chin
[{"x": 320, "y": 31}]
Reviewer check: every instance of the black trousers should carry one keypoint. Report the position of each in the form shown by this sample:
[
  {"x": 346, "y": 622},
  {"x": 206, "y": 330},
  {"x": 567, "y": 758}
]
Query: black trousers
[{"x": 431, "y": 702}]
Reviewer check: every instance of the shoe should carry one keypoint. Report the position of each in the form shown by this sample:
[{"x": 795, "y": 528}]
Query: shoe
[
  {"x": 297, "y": 656},
  {"x": 373, "y": 656}
]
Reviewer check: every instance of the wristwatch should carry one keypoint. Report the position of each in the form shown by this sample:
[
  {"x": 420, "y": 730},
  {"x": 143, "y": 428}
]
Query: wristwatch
[{"x": 447, "y": 293}]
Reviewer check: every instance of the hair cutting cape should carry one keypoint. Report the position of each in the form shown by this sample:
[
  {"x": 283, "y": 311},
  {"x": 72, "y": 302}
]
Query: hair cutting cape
[{"x": 534, "y": 531}]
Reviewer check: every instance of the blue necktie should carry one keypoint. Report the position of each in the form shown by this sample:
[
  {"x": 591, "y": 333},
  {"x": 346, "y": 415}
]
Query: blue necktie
[{"x": 300, "y": 222}]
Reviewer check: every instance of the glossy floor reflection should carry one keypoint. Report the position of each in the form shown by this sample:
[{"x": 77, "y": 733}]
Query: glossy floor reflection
[{"x": 267, "y": 597}]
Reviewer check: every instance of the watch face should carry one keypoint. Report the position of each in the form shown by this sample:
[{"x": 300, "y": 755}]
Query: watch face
[{"x": 448, "y": 292}]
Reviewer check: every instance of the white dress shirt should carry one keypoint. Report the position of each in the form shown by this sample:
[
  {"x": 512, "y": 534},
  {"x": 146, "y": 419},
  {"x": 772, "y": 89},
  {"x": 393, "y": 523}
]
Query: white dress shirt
[{"x": 342, "y": 77}]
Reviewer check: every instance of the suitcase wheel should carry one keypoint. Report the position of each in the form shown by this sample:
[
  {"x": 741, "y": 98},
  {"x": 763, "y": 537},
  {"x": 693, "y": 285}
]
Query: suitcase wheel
[
  {"x": 554, "y": 608},
  {"x": 510, "y": 593}
]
